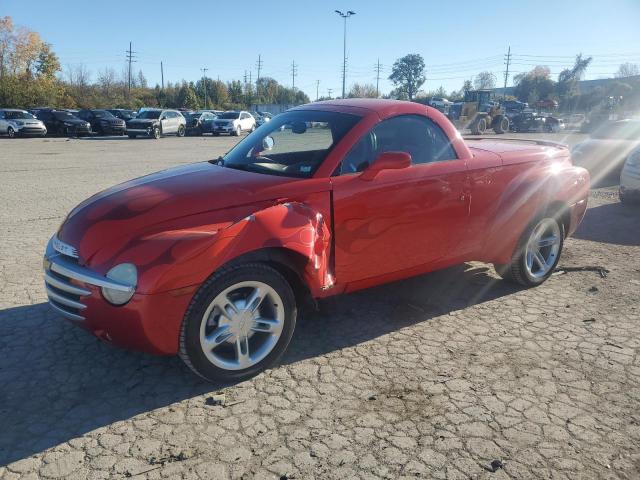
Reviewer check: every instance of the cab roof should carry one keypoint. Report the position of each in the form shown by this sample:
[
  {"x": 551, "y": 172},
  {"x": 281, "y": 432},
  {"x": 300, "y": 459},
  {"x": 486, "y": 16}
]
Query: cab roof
[{"x": 383, "y": 107}]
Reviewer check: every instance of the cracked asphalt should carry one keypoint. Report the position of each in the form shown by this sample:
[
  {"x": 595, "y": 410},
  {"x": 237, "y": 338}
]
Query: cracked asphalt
[{"x": 455, "y": 374}]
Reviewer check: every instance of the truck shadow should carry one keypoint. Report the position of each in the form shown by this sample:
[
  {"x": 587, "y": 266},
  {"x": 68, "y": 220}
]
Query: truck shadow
[{"x": 59, "y": 382}]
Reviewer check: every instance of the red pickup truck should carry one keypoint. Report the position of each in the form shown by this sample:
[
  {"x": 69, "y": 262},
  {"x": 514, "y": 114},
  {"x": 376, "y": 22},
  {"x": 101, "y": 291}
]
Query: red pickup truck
[{"x": 212, "y": 260}]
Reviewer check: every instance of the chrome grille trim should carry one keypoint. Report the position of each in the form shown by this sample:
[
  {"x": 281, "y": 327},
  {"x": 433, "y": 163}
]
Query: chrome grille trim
[
  {"x": 64, "y": 300},
  {"x": 64, "y": 313},
  {"x": 64, "y": 296},
  {"x": 67, "y": 287}
]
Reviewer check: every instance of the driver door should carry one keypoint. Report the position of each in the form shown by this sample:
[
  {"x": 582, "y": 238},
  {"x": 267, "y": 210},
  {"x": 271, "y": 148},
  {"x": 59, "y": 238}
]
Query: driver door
[
  {"x": 412, "y": 218},
  {"x": 165, "y": 121}
]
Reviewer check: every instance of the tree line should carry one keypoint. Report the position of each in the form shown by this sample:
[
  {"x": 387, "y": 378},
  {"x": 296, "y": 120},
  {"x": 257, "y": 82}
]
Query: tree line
[{"x": 31, "y": 75}]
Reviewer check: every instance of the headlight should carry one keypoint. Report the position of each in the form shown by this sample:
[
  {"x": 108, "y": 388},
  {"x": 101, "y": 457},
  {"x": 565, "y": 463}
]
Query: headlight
[
  {"x": 127, "y": 274},
  {"x": 19, "y": 123}
]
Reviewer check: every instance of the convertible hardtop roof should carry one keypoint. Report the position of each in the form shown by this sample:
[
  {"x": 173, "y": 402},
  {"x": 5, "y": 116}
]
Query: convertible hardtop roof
[{"x": 364, "y": 106}]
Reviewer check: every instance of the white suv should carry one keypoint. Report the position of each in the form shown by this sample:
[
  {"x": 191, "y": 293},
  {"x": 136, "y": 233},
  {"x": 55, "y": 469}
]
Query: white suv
[{"x": 234, "y": 123}]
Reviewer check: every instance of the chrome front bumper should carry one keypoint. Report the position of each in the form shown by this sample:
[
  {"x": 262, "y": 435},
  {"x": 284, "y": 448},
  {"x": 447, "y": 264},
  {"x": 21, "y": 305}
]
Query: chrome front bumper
[{"x": 62, "y": 271}]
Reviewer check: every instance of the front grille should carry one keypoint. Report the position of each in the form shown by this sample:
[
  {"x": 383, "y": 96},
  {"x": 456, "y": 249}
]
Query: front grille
[
  {"x": 64, "y": 296},
  {"x": 31, "y": 130}
]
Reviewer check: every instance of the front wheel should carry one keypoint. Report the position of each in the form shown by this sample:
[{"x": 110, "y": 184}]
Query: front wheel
[
  {"x": 156, "y": 133},
  {"x": 237, "y": 132},
  {"x": 537, "y": 253},
  {"x": 239, "y": 323},
  {"x": 11, "y": 132},
  {"x": 181, "y": 131}
]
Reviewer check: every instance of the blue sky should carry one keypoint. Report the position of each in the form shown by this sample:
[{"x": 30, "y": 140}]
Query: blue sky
[{"x": 457, "y": 39}]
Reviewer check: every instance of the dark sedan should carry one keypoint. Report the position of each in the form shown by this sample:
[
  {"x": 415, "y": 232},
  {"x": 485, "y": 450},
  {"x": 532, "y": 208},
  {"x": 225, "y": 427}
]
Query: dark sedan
[
  {"x": 103, "y": 122},
  {"x": 199, "y": 122},
  {"x": 63, "y": 123},
  {"x": 123, "y": 113}
]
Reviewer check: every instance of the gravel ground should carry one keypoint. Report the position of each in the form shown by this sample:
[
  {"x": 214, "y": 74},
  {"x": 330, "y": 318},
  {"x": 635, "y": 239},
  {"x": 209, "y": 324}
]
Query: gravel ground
[{"x": 454, "y": 374}]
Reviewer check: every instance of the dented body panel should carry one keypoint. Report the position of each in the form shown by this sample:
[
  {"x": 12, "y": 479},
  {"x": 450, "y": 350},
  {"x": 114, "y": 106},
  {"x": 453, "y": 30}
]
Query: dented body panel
[{"x": 341, "y": 232}]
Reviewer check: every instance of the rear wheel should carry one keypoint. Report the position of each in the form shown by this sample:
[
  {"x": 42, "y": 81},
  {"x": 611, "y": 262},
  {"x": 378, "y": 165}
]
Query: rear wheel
[
  {"x": 181, "y": 131},
  {"x": 239, "y": 323},
  {"x": 537, "y": 253}
]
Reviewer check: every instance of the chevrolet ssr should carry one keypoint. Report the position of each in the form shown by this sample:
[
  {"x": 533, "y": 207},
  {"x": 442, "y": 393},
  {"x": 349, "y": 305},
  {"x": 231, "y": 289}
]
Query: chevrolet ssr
[{"x": 211, "y": 261}]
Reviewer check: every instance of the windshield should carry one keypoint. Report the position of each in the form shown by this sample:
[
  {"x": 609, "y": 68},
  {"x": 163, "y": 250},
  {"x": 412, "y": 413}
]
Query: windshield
[
  {"x": 16, "y": 115},
  {"x": 229, "y": 115},
  {"x": 618, "y": 131},
  {"x": 102, "y": 114},
  {"x": 63, "y": 116},
  {"x": 149, "y": 114},
  {"x": 293, "y": 144}
]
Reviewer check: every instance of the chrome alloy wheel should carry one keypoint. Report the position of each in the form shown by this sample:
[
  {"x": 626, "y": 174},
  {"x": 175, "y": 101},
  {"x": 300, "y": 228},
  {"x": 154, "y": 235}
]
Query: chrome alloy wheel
[
  {"x": 543, "y": 247},
  {"x": 242, "y": 325}
]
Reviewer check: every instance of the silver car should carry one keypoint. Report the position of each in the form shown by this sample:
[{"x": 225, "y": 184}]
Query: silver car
[
  {"x": 630, "y": 178},
  {"x": 14, "y": 123},
  {"x": 155, "y": 122}
]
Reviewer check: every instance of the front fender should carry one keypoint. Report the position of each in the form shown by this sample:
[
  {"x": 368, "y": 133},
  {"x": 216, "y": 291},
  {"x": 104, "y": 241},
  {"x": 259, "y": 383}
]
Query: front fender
[{"x": 191, "y": 255}]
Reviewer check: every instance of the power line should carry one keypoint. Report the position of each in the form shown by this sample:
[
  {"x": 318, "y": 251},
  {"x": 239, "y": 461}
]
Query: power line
[
  {"x": 378, "y": 67},
  {"x": 259, "y": 65},
  {"x": 508, "y": 61},
  {"x": 130, "y": 55}
]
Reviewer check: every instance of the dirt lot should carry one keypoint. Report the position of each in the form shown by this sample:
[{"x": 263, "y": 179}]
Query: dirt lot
[{"x": 454, "y": 374}]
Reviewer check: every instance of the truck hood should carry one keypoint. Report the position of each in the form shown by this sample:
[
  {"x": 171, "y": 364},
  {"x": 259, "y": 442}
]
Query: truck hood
[{"x": 181, "y": 197}]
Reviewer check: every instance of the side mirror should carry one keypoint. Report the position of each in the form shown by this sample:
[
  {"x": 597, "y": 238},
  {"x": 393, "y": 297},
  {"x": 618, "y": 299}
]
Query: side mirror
[
  {"x": 387, "y": 161},
  {"x": 267, "y": 143}
]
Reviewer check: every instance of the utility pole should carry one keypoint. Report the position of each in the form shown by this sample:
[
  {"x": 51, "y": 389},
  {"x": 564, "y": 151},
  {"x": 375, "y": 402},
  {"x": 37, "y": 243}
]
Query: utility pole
[
  {"x": 317, "y": 89},
  {"x": 378, "y": 68},
  {"x": 329, "y": 90},
  {"x": 259, "y": 65},
  {"x": 162, "y": 75},
  {"x": 294, "y": 73},
  {"x": 506, "y": 73},
  {"x": 344, "y": 49},
  {"x": 130, "y": 58},
  {"x": 204, "y": 83}
]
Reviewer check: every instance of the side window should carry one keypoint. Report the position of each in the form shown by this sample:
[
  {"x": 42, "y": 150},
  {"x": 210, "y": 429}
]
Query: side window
[
  {"x": 1, "y": 115},
  {"x": 414, "y": 134}
]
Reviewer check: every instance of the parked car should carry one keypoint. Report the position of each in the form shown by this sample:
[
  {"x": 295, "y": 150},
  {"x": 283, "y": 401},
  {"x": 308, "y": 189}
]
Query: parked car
[
  {"x": 122, "y": 113},
  {"x": 234, "y": 123},
  {"x": 61, "y": 122},
  {"x": 20, "y": 123},
  {"x": 155, "y": 122},
  {"x": 527, "y": 122},
  {"x": 607, "y": 148},
  {"x": 212, "y": 260},
  {"x": 630, "y": 178},
  {"x": 200, "y": 122},
  {"x": 103, "y": 122}
]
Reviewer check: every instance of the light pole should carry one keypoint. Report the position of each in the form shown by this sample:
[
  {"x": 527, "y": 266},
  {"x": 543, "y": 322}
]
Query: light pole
[{"x": 344, "y": 49}]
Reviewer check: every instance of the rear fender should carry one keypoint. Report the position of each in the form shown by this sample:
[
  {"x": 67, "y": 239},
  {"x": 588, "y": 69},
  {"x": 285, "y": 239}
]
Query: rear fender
[{"x": 529, "y": 194}]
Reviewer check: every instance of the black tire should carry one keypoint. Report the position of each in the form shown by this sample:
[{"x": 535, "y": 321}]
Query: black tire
[
  {"x": 181, "y": 131},
  {"x": 517, "y": 271},
  {"x": 132, "y": 135},
  {"x": 11, "y": 132},
  {"x": 191, "y": 351},
  {"x": 501, "y": 124},
  {"x": 155, "y": 133},
  {"x": 237, "y": 132}
]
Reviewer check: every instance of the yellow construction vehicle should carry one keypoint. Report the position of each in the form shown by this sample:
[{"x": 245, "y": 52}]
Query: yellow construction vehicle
[{"x": 478, "y": 112}]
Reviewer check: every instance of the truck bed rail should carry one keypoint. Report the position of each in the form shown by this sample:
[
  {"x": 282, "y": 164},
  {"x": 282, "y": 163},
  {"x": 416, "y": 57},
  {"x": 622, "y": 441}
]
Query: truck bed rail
[{"x": 547, "y": 143}]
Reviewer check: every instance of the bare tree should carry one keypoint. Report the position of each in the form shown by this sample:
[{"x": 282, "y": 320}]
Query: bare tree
[
  {"x": 107, "y": 81},
  {"x": 484, "y": 80},
  {"x": 628, "y": 70}
]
